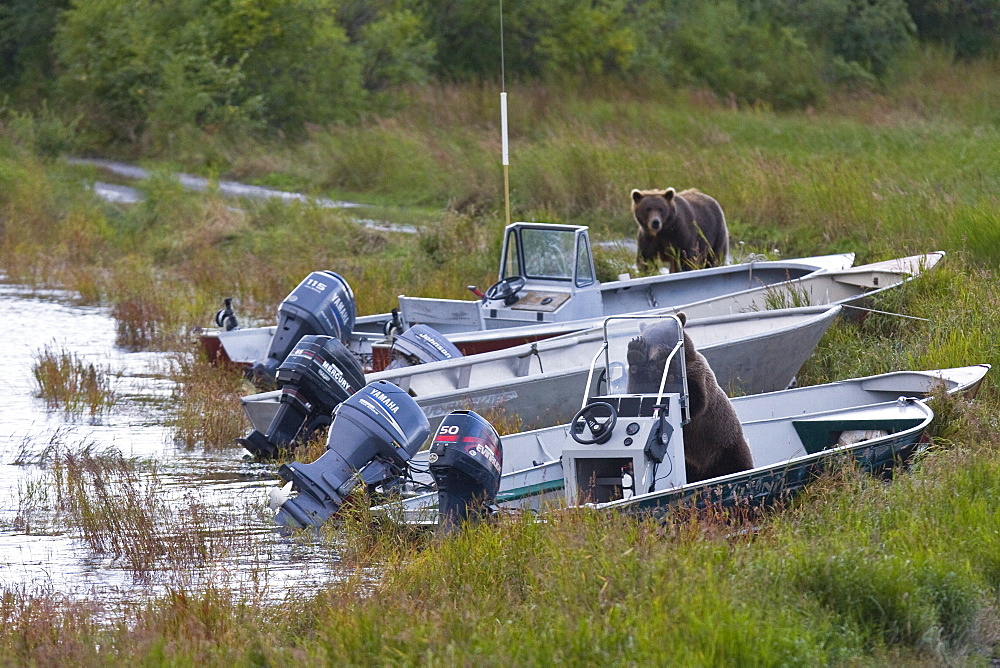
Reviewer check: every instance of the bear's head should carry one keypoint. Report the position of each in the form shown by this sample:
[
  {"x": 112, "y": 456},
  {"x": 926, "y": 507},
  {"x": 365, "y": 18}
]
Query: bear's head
[{"x": 653, "y": 210}]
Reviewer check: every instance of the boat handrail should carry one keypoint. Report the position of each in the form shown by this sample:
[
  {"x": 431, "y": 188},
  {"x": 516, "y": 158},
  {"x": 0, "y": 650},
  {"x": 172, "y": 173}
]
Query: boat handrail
[
  {"x": 590, "y": 374},
  {"x": 685, "y": 418}
]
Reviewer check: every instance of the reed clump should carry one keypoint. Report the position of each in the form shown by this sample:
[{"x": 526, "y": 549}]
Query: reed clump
[
  {"x": 69, "y": 383},
  {"x": 124, "y": 511},
  {"x": 208, "y": 412}
]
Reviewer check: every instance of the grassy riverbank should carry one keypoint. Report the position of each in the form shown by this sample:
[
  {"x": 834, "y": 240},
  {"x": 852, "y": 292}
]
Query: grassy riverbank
[{"x": 856, "y": 571}]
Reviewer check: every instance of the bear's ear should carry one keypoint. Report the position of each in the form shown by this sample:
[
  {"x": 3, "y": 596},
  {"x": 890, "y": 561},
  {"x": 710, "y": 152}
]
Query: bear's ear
[
  {"x": 636, "y": 195},
  {"x": 668, "y": 194},
  {"x": 682, "y": 316}
]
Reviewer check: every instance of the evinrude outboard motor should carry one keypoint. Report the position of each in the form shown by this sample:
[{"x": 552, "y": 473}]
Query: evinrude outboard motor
[
  {"x": 317, "y": 375},
  {"x": 323, "y": 303},
  {"x": 375, "y": 432},
  {"x": 466, "y": 460},
  {"x": 421, "y": 344}
]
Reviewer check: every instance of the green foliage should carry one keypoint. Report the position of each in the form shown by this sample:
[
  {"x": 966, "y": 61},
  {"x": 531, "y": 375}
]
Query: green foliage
[
  {"x": 45, "y": 132},
  {"x": 394, "y": 51},
  {"x": 970, "y": 28},
  {"x": 716, "y": 46},
  {"x": 865, "y": 34},
  {"x": 215, "y": 65},
  {"x": 26, "y": 31},
  {"x": 134, "y": 66},
  {"x": 140, "y": 69},
  {"x": 540, "y": 37},
  {"x": 586, "y": 37},
  {"x": 297, "y": 59}
]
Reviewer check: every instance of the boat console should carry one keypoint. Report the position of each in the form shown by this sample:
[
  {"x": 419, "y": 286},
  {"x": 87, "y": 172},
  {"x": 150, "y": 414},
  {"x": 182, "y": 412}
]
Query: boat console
[
  {"x": 631, "y": 443},
  {"x": 546, "y": 275}
]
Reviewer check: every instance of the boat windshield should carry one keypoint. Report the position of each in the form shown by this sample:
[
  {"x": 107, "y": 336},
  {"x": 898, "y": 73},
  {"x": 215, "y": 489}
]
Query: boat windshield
[
  {"x": 638, "y": 352},
  {"x": 548, "y": 254}
]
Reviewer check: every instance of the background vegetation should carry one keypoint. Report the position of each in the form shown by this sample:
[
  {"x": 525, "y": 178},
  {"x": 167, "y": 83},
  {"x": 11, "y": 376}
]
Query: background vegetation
[
  {"x": 824, "y": 126},
  {"x": 142, "y": 72}
]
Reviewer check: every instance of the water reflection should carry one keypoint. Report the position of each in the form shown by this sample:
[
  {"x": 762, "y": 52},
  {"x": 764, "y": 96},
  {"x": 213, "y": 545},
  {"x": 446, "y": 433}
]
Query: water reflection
[{"x": 45, "y": 554}]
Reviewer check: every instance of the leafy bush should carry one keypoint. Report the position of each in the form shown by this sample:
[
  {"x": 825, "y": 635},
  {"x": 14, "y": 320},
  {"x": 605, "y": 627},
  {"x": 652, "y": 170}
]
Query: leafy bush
[
  {"x": 26, "y": 30},
  {"x": 715, "y": 45},
  {"x": 45, "y": 133},
  {"x": 868, "y": 33},
  {"x": 213, "y": 64},
  {"x": 970, "y": 27},
  {"x": 129, "y": 66}
]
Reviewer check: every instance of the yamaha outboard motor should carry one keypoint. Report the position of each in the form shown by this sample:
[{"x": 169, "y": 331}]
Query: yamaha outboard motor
[
  {"x": 466, "y": 460},
  {"x": 317, "y": 375},
  {"x": 421, "y": 344},
  {"x": 323, "y": 303},
  {"x": 375, "y": 432}
]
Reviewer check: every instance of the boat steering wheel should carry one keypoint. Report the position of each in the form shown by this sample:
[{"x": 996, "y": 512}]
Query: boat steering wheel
[
  {"x": 506, "y": 289},
  {"x": 600, "y": 432}
]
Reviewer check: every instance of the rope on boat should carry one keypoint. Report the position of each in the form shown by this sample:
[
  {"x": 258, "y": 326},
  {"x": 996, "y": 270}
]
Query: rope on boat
[
  {"x": 534, "y": 351},
  {"x": 898, "y": 315}
]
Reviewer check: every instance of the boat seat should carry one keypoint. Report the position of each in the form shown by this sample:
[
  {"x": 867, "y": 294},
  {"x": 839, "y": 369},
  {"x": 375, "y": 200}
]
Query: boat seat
[
  {"x": 822, "y": 434},
  {"x": 445, "y": 315}
]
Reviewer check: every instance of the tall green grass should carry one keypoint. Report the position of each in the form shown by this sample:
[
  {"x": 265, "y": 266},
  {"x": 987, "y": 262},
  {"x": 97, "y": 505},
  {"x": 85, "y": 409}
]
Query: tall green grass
[
  {"x": 66, "y": 382},
  {"x": 855, "y": 571}
]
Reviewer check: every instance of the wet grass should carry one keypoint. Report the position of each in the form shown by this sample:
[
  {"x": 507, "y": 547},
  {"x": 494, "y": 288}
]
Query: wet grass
[
  {"x": 68, "y": 383},
  {"x": 207, "y": 409},
  {"x": 123, "y": 511}
]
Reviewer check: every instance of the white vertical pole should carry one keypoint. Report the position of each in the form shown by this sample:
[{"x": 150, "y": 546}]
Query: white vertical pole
[{"x": 505, "y": 156}]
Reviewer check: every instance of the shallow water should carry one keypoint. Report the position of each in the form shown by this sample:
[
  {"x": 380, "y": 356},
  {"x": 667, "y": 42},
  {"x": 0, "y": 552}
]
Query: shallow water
[
  {"x": 52, "y": 557},
  {"x": 126, "y": 195}
]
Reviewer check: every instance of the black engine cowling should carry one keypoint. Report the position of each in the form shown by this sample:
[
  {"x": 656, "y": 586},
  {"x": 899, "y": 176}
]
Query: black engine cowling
[
  {"x": 318, "y": 374},
  {"x": 466, "y": 461},
  {"x": 322, "y": 304},
  {"x": 375, "y": 432}
]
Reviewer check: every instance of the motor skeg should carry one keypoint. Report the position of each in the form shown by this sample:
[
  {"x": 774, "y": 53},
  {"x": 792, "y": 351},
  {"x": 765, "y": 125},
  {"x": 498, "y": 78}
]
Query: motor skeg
[
  {"x": 375, "y": 432},
  {"x": 318, "y": 374},
  {"x": 421, "y": 344},
  {"x": 323, "y": 304},
  {"x": 466, "y": 461}
]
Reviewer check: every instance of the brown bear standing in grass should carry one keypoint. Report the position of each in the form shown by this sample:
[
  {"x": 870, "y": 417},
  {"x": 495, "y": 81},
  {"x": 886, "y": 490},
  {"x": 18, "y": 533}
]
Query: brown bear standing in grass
[
  {"x": 714, "y": 443},
  {"x": 686, "y": 229}
]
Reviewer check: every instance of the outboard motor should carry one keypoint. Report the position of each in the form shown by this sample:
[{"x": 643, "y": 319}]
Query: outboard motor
[
  {"x": 323, "y": 303},
  {"x": 375, "y": 432},
  {"x": 466, "y": 460},
  {"x": 317, "y": 375},
  {"x": 421, "y": 344},
  {"x": 226, "y": 317}
]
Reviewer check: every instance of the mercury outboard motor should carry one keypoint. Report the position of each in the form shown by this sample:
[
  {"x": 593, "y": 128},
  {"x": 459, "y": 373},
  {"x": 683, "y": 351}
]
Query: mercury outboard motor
[
  {"x": 323, "y": 303},
  {"x": 466, "y": 460},
  {"x": 375, "y": 432},
  {"x": 317, "y": 375},
  {"x": 421, "y": 344}
]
